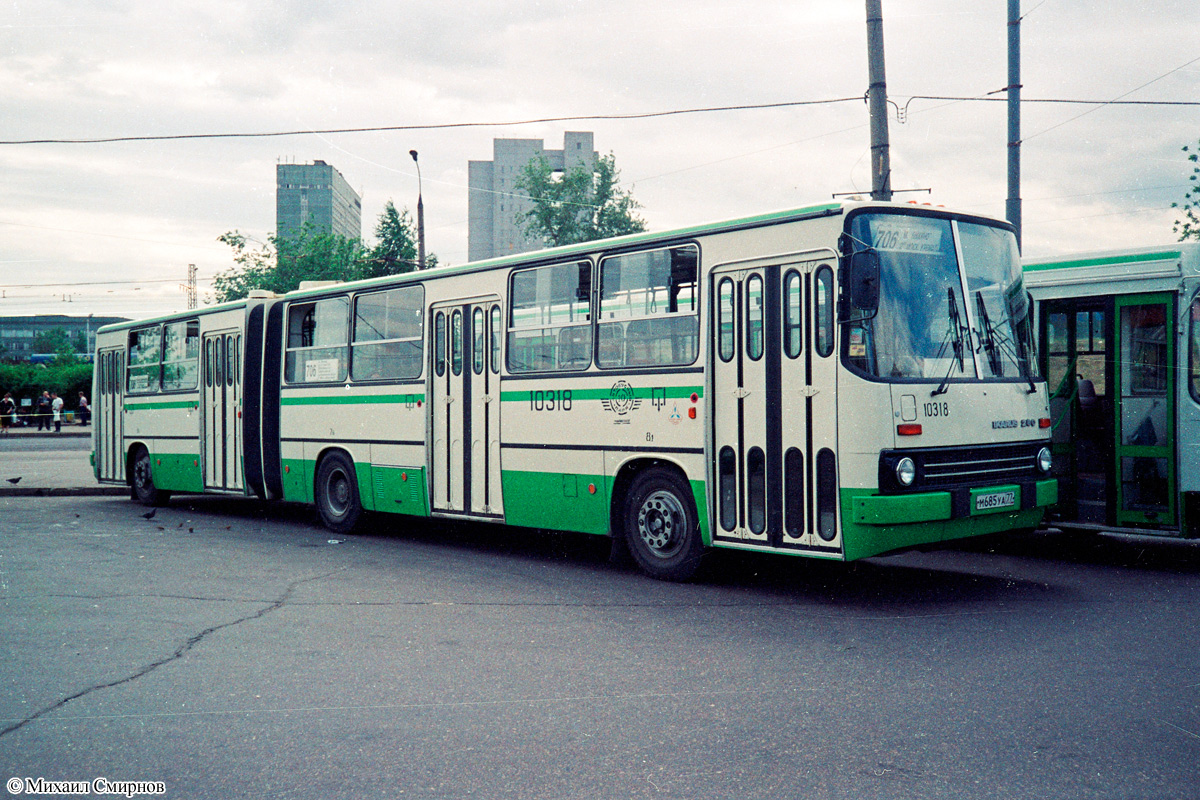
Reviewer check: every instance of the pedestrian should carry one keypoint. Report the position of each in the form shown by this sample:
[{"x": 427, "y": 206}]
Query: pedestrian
[
  {"x": 56, "y": 407},
  {"x": 42, "y": 411},
  {"x": 85, "y": 411},
  {"x": 7, "y": 410}
]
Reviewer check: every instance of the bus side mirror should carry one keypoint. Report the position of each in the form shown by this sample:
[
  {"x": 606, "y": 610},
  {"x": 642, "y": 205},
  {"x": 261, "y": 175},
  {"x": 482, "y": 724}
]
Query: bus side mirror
[{"x": 864, "y": 281}]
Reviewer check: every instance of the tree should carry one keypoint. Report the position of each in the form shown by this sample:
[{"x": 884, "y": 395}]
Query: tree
[
  {"x": 395, "y": 251},
  {"x": 579, "y": 206},
  {"x": 1189, "y": 226},
  {"x": 54, "y": 340},
  {"x": 281, "y": 263}
]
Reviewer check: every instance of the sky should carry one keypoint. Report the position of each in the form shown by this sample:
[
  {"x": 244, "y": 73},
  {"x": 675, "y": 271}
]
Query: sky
[{"x": 110, "y": 228}]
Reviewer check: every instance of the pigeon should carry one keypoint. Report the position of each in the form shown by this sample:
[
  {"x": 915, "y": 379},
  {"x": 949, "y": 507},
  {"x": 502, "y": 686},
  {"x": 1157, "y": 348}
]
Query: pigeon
[
  {"x": 14, "y": 481},
  {"x": 150, "y": 514}
]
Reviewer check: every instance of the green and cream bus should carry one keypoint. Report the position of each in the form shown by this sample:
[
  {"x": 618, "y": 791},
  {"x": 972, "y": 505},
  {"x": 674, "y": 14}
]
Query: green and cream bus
[
  {"x": 1120, "y": 345},
  {"x": 838, "y": 381}
]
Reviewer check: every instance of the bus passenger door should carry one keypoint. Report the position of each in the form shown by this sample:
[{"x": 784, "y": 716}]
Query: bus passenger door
[
  {"x": 465, "y": 406},
  {"x": 1145, "y": 422},
  {"x": 774, "y": 404},
  {"x": 221, "y": 403},
  {"x": 107, "y": 419}
]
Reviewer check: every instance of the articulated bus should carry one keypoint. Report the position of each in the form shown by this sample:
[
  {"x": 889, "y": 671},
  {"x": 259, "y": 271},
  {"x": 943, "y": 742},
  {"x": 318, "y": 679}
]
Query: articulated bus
[
  {"x": 1120, "y": 334},
  {"x": 838, "y": 381}
]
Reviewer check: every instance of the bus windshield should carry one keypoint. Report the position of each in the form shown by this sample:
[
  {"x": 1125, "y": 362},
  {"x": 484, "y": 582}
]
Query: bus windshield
[{"x": 952, "y": 304}]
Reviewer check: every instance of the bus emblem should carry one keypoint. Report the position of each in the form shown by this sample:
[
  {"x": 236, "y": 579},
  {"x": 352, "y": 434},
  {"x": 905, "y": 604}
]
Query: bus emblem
[{"x": 621, "y": 399}]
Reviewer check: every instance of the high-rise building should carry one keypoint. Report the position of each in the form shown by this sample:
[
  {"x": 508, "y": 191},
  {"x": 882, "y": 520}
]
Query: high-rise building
[
  {"x": 494, "y": 209},
  {"x": 18, "y": 335},
  {"x": 316, "y": 194}
]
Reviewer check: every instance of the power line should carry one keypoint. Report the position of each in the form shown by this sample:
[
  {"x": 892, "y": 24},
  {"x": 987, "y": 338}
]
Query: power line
[
  {"x": 441, "y": 126},
  {"x": 584, "y": 118}
]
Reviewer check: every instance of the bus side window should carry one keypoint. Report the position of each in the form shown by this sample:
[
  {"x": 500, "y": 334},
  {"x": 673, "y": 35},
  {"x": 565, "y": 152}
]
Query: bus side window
[
  {"x": 439, "y": 344},
  {"x": 824, "y": 320},
  {"x": 649, "y": 308},
  {"x": 1194, "y": 351},
  {"x": 793, "y": 318}
]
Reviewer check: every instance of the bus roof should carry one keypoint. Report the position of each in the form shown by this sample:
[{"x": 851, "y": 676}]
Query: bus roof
[
  {"x": 584, "y": 248},
  {"x": 1142, "y": 266}
]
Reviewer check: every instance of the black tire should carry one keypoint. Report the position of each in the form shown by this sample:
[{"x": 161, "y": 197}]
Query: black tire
[
  {"x": 337, "y": 493},
  {"x": 660, "y": 526},
  {"x": 141, "y": 481}
]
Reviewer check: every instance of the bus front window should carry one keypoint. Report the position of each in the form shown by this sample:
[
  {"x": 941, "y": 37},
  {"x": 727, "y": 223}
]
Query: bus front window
[
  {"x": 930, "y": 326},
  {"x": 919, "y": 329}
]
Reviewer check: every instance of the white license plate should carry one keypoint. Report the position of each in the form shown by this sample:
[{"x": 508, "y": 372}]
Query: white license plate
[{"x": 991, "y": 500}]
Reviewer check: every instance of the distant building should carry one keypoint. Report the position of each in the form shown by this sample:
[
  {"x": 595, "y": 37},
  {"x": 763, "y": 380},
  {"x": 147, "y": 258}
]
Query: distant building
[
  {"x": 494, "y": 212},
  {"x": 17, "y": 334},
  {"x": 317, "y": 194}
]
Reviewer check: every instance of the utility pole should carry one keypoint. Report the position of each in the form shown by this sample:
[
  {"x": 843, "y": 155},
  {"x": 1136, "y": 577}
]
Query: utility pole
[
  {"x": 189, "y": 288},
  {"x": 1012, "y": 206},
  {"x": 881, "y": 163}
]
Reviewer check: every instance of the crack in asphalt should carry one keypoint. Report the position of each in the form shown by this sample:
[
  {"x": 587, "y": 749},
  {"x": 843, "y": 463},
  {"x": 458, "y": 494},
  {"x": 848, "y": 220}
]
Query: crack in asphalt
[{"x": 179, "y": 653}]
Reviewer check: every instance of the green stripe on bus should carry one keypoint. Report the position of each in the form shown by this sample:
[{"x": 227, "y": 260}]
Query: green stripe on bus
[
  {"x": 1109, "y": 261},
  {"x": 351, "y": 399},
  {"x": 606, "y": 394},
  {"x": 163, "y": 404}
]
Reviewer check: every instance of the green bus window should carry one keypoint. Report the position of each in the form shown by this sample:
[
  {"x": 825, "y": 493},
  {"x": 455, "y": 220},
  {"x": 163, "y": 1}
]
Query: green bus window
[
  {"x": 316, "y": 341},
  {"x": 387, "y": 334},
  {"x": 495, "y": 326},
  {"x": 824, "y": 326},
  {"x": 456, "y": 342},
  {"x": 550, "y": 320},
  {"x": 754, "y": 318},
  {"x": 1194, "y": 350},
  {"x": 793, "y": 319},
  {"x": 145, "y": 351},
  {"x": 725, "y": 329},
  {"x": 477, "y": 340},
  {"x": 181, "y": 355},
  {"x": 649, "y": 308},
  {"x": 439, "y": 344}
]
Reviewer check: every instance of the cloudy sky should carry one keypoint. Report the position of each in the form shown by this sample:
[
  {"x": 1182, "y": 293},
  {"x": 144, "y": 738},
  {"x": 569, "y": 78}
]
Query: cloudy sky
[{"x": 111, "y": 228}]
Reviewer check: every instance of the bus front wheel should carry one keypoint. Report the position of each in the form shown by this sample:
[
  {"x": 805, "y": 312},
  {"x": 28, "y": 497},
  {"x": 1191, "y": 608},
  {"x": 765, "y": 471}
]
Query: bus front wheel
[
  {"x": 142, "y": 481},
  {"x": 660, "y": 526},
  {"x": 337, "y": 493}
]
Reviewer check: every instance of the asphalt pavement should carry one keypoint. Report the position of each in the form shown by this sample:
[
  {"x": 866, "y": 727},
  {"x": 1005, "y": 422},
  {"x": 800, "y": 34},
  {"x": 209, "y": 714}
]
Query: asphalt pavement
[{"x": 44, "y": 463}]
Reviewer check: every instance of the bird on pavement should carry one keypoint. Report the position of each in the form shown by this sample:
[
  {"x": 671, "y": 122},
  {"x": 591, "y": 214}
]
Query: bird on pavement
[{"x": 150, "y": 514}]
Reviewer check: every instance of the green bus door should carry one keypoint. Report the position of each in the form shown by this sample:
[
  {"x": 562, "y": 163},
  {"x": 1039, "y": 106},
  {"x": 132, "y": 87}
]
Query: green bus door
[{"x": 1145, "y": 421}]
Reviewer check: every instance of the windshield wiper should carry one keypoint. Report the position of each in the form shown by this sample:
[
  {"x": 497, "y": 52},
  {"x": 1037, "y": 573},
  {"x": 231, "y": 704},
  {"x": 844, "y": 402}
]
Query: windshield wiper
[
  {"x": 988, "y": 338},
  {"x": 954, "y": 334},
  {"x": 995, "y": 344}
]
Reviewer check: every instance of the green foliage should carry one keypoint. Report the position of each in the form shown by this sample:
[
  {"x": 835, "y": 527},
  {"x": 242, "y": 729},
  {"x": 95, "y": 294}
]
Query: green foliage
[
  {"x": 578, "y": 206},
  {"x": 1189, "y": 226},
  {"x": 55, "y": 340},
  {"x": 27, "y": 381},
  {"x": 280, "y": 264}
]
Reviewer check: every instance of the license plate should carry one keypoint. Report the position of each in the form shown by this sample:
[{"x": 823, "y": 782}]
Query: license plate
[{"x": 993, "y": 500}]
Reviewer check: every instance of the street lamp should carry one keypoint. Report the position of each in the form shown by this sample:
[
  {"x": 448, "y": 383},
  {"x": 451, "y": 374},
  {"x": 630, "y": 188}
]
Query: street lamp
[{"x": 420, "y": 215}]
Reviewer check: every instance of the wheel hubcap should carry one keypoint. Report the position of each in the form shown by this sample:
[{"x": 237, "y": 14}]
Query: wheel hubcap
[
  {"x": 339, "y": 493},
  {"x": 660, "y": 524}
]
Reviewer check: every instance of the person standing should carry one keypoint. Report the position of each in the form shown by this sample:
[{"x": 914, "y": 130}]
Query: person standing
[
  {"x": 7, "y": 407},
  {"x": 42, "y": 411},
  {"x": 56, "y": 407},
  {"x": 85, "y": 412}
]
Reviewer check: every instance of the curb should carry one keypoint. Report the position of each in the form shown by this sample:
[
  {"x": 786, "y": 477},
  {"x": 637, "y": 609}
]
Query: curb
[{"x": 64, "y": 491}]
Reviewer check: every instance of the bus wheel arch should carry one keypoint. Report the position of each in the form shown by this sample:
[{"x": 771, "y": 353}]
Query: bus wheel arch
[
  {"x": 139, "y": 471},
  {"x": 336, "y": 492},
  {"x": 654, "y": 511}
]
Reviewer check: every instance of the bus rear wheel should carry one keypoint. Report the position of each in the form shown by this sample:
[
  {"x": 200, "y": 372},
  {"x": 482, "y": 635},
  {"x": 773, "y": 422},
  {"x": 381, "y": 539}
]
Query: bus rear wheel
[
  {"x": 337, "y": 493},
  {"x": 660, "y": 526},
  {"x": 142, "y": 481}
]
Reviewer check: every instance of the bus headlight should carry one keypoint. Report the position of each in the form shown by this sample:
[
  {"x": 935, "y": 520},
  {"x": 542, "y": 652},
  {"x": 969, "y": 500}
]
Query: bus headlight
[
  {"x": 1044, "y": 460},
  {"x": 906, "y": 471}
]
